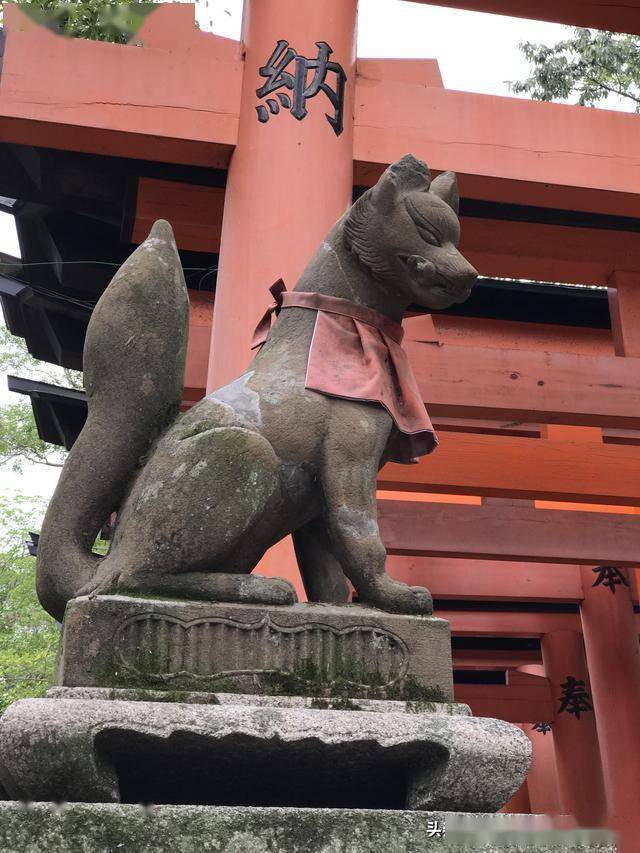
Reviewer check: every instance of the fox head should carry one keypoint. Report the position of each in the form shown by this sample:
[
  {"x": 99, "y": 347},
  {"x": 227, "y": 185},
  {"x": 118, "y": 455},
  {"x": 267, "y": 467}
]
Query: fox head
[{"x": 405, "y": 232}]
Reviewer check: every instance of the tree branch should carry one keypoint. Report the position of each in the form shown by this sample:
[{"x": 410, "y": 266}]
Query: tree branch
[{"x": 613, "y": 90}]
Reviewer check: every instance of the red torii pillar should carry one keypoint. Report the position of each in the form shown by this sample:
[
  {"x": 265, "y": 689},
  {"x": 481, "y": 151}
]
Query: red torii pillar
[
  {"x": 519, "y": 803},
  {"x": 577, "y": 754},
  {"x": 542, "y": 778},
  {"x": 613, "y": 659},
  {"x": 610, "y": 632},
  {"x": 289, "y": 180}
]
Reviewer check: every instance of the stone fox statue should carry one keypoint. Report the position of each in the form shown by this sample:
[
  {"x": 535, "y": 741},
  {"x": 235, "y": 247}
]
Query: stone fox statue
[{"x": 201, "y": 496}]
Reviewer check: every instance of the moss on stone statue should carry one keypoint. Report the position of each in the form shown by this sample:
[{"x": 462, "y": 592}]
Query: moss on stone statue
[
  {"x": 353, "y": 681},
  {"x": 194, "y": 429},
  {"x": 414, "y": 691},
  {"x": 340, "y": 704},
  {"x": 180, "y": 696},
  {"x": 81, "y": 827}
]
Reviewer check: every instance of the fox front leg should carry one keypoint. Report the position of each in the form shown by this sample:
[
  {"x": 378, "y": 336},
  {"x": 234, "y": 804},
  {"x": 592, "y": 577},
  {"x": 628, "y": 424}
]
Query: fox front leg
[
  {"x": 349, "y": 484},
  {"x": 321, "y": 572}
]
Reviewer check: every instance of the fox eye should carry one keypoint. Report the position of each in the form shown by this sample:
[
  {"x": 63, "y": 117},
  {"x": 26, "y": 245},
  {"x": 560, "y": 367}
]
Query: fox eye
[{"x": 428, "y": 236}]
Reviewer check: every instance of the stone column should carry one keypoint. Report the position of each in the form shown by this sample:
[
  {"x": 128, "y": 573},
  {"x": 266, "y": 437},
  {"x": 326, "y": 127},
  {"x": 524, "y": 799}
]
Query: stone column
[
  {"x": 577, "y": 754},
  {"x": 289, "y": 180},
  {"x": 613, "y": 659}
]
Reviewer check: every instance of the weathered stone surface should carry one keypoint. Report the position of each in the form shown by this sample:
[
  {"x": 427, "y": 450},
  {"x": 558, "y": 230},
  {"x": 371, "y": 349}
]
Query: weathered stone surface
[
  {"x": 134, "y": 359},
  {"x": 336, "y": 703},
  {"x": 266, "y": 455},
  {"x": 117, "y": 641},
  {"x": 79, "y": 828},
  {"x": 106, "y": 751}
]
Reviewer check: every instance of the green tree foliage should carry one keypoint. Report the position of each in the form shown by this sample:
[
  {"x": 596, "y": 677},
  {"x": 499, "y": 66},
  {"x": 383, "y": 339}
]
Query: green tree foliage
[
  {"x": 100, "y": 20},
  {"x": 589, "y": 66},
  {"x": 20, "y": 442},
  {"x": 15, "y": 358},
  {"x": 19, "y": 439},
  {"x": 28, "y": 636}
]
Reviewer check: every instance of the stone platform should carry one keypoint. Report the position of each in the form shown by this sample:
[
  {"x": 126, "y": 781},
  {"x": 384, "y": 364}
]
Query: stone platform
[
  {"x": 306, "y": 649},
  {"x": 92, "y": 750},
  {"x": 334, "y": 703},
  {"x": 80, "y": 828},
  {"x": 256, "y": 729}
]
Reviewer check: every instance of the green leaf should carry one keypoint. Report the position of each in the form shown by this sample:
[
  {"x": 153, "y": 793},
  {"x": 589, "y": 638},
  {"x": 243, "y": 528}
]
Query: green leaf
[
  {"x": 589, "y": 67},
  {"x": 28, "y": 636},
  {"x": 100, "y": 20}
]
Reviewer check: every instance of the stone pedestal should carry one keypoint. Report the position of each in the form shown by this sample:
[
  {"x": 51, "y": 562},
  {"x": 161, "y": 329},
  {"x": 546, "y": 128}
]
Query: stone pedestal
[
  {"x": 305, "y": 649},
  {"x": 257, "y": 729},
  {"x": 167, "y": 829},
  {"x": 92, "y": 750}
]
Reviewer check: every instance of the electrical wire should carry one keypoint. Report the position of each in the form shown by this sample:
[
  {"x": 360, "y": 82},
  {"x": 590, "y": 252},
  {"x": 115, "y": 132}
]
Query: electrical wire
[
  {"x": 212, "y": 270},
  {"x": 62, "y": 297},
  {"x": 18, "y": 262}
]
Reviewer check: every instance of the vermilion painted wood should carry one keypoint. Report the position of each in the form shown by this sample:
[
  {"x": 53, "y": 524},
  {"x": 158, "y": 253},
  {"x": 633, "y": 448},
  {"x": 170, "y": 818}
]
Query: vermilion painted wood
[
  {"x": 423, "y": 72},
  {"x": 508, "y": 334},
  {"x": 542, "y": 777},
  {"x": 610, "y": 631},
  {"x": 548, "y": 252},
  {"x": 195, "y": 212},
  {"x": 507, "y": 623},
  {"x": 492, "y": 383},
  {"x": 505, "y": 139},
  {"x": 519, "y": 803},
  {"x": 490, "y": 187},
  {"x": 580, "y": 781},
  {"x": 526, "y": 250},
  {"x": 509, "y": 533},
  {"x": 527, "y": 386},
  {"x": 525, "y": 698},
  {"x": 468, "y": 464},
  {"x": 624, "y": 307},
  {"x": 158, "y": 102},
  {"x": 195, "y": 375},
  {"x": 288, "y": 180},
  {"x": 603, "y": 14},
  {"x": 488, "y": 579},
  {"x": 175, "y": 99}
]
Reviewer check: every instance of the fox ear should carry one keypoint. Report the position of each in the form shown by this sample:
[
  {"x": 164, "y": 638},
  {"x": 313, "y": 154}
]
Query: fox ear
[
  {"x": 445, "y": 187},
  {"x": 385, "y": 192},
  {"x": 405, "y": 175},
  {"x": 411, "y": 173}
]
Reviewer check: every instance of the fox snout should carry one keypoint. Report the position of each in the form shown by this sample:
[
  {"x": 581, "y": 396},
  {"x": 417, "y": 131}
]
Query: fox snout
[
  {"x": 461, "y": 276},
  {"x": 467, "y": 276}
]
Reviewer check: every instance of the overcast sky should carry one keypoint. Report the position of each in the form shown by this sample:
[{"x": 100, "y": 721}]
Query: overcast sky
[{"x": 476, "y": 52}]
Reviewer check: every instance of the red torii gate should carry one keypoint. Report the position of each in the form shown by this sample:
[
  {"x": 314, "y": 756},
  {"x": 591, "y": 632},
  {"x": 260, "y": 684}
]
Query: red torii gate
[{"x": 602, "y": 15}]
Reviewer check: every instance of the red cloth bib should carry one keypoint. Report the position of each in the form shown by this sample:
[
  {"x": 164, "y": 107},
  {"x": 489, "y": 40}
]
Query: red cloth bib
[{"x": 356, "y": 354}]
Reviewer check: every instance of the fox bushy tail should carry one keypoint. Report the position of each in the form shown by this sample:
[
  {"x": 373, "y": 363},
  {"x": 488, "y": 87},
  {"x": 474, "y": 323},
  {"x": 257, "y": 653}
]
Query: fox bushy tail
[{"x": 134, "y": 360}]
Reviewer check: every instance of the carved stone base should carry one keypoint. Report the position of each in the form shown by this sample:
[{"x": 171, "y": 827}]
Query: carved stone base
[
  {"x": 331, "y": 703},
  {"x": 305, "y": 649},
  {"x": 166, "y": 829},
  {"x": 111, "y": 751}
]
